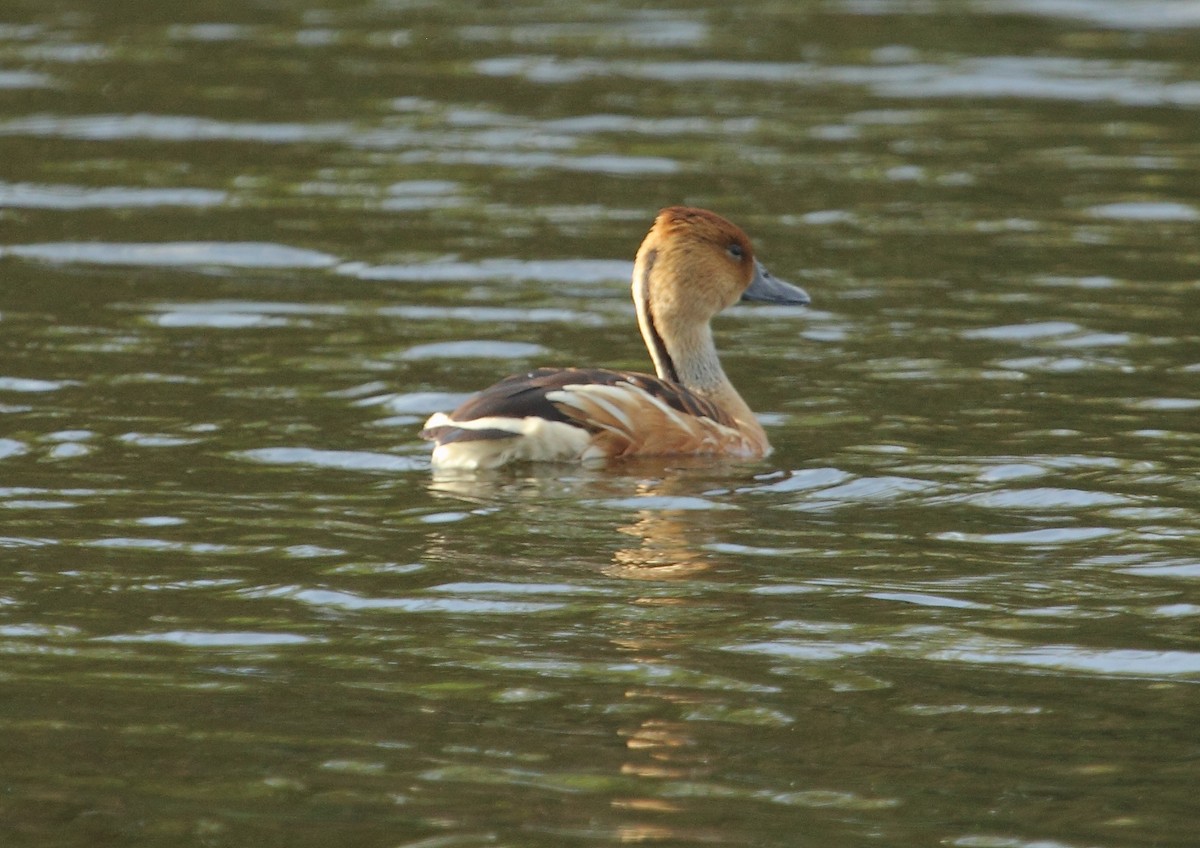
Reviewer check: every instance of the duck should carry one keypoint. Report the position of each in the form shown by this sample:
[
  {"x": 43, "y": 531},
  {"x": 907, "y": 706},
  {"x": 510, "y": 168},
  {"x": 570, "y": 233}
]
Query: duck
[{"x": 692, "y": 265}]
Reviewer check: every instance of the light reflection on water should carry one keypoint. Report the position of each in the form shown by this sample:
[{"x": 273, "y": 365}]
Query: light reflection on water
[
  {"x": 1051, "y": 78},
  {"x": 244, "y": 256}
]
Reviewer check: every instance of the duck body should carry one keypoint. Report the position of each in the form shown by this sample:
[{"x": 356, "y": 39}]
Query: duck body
[{"x": 692, "y": 265}]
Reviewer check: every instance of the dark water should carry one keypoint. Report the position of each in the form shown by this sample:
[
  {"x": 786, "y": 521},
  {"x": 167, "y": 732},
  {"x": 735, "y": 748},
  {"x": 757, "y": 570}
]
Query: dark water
[{"x": 246, "y": 249}]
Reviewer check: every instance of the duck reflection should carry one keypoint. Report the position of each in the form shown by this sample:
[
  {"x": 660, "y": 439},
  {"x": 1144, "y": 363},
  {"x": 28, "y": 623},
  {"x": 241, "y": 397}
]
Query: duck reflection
[
  {"x": 666, "y": 548},
  {"x": 670, "y": 532},
  {"x": 662, "y": 549}
]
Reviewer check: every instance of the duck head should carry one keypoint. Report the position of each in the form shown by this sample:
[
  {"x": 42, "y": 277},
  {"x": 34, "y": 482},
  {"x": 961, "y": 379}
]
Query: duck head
[{"x": 692, "y": 265}]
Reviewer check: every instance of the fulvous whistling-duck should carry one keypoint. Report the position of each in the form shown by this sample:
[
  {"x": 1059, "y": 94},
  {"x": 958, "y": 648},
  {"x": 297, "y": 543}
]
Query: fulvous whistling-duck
[{"x": 692, "y": 265}]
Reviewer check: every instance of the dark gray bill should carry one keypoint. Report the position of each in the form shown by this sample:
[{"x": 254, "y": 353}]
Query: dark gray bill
[{"x": 768, "y": 289}]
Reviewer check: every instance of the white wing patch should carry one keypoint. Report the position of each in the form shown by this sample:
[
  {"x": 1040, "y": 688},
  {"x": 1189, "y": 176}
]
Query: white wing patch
[{"x": 534, "y": 439}]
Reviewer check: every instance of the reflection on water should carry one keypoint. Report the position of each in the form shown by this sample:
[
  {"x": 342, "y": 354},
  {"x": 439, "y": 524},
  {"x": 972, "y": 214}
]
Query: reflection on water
[{"x": 245, "y": 252}]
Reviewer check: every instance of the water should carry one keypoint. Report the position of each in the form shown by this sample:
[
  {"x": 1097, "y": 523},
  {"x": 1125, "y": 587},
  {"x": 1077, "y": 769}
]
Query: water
[{"x": 244, "y": 252}]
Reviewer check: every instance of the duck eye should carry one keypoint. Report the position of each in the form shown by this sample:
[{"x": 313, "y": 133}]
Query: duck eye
[{"x": 735, "y": 250}]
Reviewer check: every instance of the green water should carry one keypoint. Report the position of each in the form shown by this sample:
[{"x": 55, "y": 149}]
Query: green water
[{"x": 246, "y": 250}]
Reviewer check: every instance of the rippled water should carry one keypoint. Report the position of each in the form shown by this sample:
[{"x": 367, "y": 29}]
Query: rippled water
[{"x": 244, "y": 252}]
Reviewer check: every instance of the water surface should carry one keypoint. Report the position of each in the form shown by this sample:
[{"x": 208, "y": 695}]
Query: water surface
[{"x": 245, "y": 252}]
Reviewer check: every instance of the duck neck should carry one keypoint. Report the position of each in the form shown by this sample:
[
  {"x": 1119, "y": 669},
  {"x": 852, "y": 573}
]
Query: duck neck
[
  {"x": 684, "y": 353},
  {"x": 698, "y": 369},
  {"x": 648, "y": 321}
]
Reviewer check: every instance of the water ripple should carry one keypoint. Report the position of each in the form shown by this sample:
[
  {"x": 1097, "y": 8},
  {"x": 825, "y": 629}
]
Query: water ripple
[
  {"x": 24, "y": 79},
  {"x": 1139, "y": 663},
  {"x": 950, "y": 645},
  {"x": 12, "y": 447},
  {"x": 199, "y": 639},
  {"x": 174, "y": 254},
  {"x": 665, "y": 503},
  {"x": 474, "y": 349},
  {"x": 26, "y": 384},
  {"x": 864, "y": 490},
  {"x": 545, "y": 270},
  {"x": 1047, "y": 536},
  {"x": 649, "y": 29},
  {"x": 340, "y": 460},
  {"x": 1116, "y": 14},
  {"x": 1024, "y": 332},
  {"x": 1045, "y": 498},
  {"x": 1146, "y": 211},
  {"x": 33, "y": 196},
  {"x": 1040, "y": 78},
  {"x": 495, "y": 314},
  {"x": 171, "y": 128},
  {"x": 454, "y": 606},
  {"x": 516, "y": 588}
]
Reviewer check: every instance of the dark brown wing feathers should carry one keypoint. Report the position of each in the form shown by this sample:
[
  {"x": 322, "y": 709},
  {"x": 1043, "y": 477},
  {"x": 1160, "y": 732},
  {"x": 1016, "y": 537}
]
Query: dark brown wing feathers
[
  {"x": 444, "y": 434},
  {"x": 518, "y": 396},
  {"x": 523, "y": 395}
]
